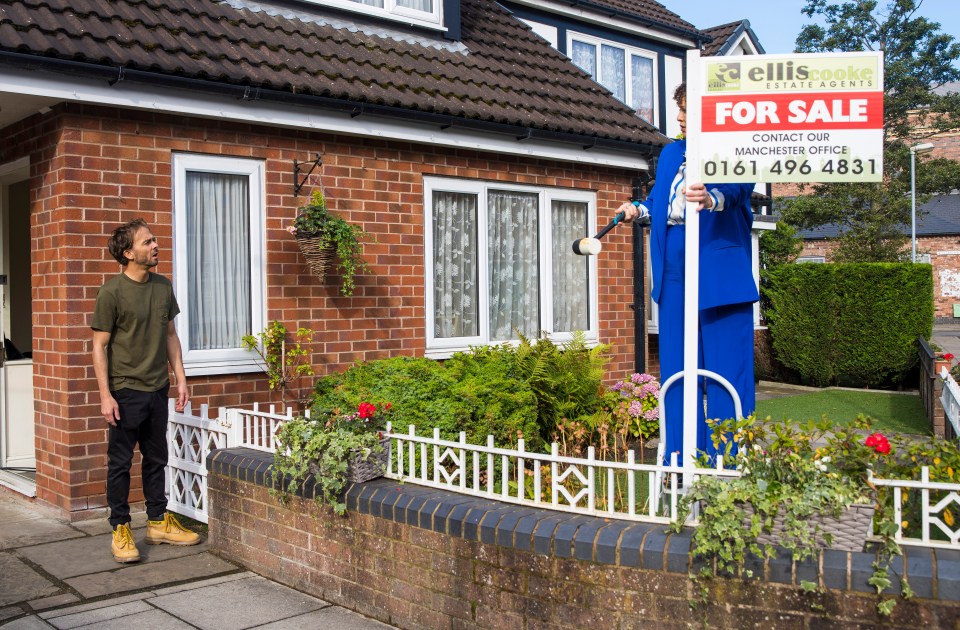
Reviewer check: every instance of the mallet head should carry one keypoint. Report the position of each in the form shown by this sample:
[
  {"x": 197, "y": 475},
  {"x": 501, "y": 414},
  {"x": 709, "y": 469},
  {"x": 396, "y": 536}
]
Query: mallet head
[{"x": 587, "y": 247}]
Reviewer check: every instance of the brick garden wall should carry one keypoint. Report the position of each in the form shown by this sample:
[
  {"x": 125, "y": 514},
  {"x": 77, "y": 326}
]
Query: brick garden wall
[
  {"x": 93, "y": 168},
  {"x": 421, "y": 558}
]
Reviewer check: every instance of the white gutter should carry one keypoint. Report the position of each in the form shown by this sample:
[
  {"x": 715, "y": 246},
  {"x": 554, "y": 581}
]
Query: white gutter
[{"x": 197, "y": 103}]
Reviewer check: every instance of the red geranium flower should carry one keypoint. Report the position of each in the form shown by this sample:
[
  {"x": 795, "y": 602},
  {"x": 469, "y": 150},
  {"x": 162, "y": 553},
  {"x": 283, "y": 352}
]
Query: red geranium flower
[
  {"x": 878, "y": 442},
  {"x": 366, "y": 410},
  {"x": 948, "y": 357}
]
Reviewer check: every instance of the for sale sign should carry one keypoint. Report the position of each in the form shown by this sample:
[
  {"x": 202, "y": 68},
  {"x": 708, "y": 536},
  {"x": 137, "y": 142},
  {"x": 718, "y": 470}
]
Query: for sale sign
[{"x": 792, "y": 118}]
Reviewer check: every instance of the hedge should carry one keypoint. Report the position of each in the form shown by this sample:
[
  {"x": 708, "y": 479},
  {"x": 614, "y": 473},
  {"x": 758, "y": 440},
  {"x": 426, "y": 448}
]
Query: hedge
[{"x": 848, "y": 323}]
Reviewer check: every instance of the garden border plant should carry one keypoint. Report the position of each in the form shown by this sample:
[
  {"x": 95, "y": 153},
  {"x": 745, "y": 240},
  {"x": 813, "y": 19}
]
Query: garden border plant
[{"x": 809, "y": 468}]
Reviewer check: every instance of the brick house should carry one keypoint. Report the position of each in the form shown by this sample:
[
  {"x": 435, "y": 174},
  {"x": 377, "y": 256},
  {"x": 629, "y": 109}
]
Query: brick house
[
  {"x": 425, "y": 113},
  {"x": 938, "y": 243}
]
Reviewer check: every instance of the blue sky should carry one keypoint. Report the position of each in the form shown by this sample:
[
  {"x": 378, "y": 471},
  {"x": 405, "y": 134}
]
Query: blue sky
[{"x": 777, "y": 22}]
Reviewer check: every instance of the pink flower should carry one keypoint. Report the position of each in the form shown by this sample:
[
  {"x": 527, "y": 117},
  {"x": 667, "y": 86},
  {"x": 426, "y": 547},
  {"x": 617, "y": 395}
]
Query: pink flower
[{"x": 292, "y": 229}]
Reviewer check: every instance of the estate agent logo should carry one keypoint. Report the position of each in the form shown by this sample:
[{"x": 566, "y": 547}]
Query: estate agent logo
[{"x": 723, "y": 77}]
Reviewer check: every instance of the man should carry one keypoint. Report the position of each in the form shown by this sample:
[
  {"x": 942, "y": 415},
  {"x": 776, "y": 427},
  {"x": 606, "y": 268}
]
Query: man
[
  {"x": 727, "y": 288},
  {"x": 133, "y": 341}
]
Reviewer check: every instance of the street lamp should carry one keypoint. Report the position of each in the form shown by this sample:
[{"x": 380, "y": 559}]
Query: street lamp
[{"x": 926, "y": 147}]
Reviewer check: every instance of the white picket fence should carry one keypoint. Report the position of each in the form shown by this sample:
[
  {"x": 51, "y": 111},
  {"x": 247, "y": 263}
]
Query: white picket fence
[
  {"x": 625, "y": 490},
  {"x": 950, "y": 398},
  {"x": 191, "y": 437}
]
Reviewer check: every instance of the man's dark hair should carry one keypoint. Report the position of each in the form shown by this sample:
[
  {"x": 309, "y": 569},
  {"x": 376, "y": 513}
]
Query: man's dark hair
[
  {"x": 122, "y": 239},
  {"x": 680, "y": 94}
]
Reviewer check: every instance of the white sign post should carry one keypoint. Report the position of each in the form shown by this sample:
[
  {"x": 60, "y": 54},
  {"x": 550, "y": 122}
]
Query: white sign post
[{"x": 772, "y": 118}]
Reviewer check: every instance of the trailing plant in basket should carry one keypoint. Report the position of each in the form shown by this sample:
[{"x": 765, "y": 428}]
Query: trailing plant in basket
[
  {"x": 800, "y": 472},
  {"x": 326, "y": 447},
  {"x": 315, "y": 221}
]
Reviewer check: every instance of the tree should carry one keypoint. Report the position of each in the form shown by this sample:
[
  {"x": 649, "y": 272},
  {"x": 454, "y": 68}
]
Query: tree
[
  {"x": 780, "y": 246},
  {"x": 918, "y": 59}
]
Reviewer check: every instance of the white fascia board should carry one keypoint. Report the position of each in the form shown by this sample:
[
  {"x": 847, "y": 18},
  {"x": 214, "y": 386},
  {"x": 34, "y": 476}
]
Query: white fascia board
[
  {"x": 206, "y": 105},
  {"x": 605, "y": 20}
]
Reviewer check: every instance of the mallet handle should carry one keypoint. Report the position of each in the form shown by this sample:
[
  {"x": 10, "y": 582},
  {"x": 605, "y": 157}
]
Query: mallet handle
[{"x": 617, "y": 219}]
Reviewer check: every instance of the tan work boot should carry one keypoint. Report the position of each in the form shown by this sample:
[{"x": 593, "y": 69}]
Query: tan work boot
[
  {"x": 123, "y": 548},
  {"x": 169, "y": 530}
]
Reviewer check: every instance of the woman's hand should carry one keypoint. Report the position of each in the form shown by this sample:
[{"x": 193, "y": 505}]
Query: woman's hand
[
  {"x": 630, "y": 211},
  {"x": 698, "y": 194}
]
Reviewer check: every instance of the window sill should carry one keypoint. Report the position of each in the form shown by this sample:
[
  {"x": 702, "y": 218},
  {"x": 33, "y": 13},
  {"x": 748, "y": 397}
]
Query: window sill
[{"x": 211, "y": 368}]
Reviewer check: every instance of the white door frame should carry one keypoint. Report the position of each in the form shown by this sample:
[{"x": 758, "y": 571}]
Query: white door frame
[{"x": 16, "y": 376}]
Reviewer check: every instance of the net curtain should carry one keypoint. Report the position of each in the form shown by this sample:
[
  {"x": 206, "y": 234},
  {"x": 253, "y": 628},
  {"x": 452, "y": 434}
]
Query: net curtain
[{"x": 218, "y": 259}]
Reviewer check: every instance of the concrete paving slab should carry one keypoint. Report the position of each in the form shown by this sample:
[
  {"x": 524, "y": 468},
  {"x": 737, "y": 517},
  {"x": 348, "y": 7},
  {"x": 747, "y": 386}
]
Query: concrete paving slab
[
  {"x": 34, "y": 531},
  {"x": 133, "y": 577},
  {"x": 53, "y": 601},
  {"x": 332, "y": 617},
  {"x": 20, "y": 583},
  {"x": 106, "y": 603},
  {"x": 91, "y": 554},
  {"x": 97, "y": 526},
  {"x": 10, "y": 612},
  {"x": 99, "y": 615},
  {"x": 239, "y": 604},
  {"x": 190, "y": 586},
  {"x": 153, "y": 619},
  {"x": 27, "y": 623}
]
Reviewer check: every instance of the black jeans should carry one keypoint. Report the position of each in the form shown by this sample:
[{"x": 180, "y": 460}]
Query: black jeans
[{"x": 143, "y": 421}]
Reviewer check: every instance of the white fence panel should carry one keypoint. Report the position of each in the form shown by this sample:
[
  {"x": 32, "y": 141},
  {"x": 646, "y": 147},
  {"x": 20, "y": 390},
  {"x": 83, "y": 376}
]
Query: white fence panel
[
  {"x": 189, "y": 439},
  {"x": 622, "y": 490},
  {"x": 942, "y": 510},
  {"x": 950, "y": 398}
]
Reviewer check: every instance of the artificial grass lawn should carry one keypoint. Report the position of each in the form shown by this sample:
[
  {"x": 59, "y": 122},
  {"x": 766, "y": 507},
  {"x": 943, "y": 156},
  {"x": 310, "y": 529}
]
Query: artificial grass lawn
[{"x": 890, "y": 412}]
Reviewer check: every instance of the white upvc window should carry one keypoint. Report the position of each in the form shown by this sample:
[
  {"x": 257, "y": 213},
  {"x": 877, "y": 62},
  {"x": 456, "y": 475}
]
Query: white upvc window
[
  {"x": 630, "y": 73},
  {"x": 811, "y": 259},
  {"x": 420, "y": 12},
  {"x": 499, "y": 259},
  {"x": 219, "y": 260}
]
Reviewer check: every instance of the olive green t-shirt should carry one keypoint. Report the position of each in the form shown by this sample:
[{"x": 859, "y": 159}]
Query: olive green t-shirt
[{"x": 136, "y": 316}]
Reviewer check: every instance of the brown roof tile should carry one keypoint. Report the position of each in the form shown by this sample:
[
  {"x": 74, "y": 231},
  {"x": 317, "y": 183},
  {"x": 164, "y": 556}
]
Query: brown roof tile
[
  {"x": 498, "y": 72},
  {"x": 720, "y": 35},
  {"x": 647, "y": 11}
]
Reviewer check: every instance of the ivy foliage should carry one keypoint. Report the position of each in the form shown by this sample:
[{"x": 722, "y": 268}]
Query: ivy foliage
[
  {"x": 849, "y": 323},
  {"x": 308, "y": 446},
  {"x": 314, "y": 220}
]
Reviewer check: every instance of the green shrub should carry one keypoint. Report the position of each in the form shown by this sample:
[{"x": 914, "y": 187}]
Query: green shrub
[
  {"x": 506, "y": 391},
  {"x": 849, "y": 324}
]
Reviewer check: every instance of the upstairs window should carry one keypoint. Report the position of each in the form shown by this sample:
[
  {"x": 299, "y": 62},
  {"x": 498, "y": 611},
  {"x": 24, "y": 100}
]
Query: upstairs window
[
  {"x": 419, "y": 12},
  {"x": 630, "y": 73}
]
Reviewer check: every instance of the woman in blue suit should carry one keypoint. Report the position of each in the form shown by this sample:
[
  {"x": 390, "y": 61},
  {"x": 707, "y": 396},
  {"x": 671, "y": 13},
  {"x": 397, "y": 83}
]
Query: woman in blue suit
[{"x": 727, "y": 288}]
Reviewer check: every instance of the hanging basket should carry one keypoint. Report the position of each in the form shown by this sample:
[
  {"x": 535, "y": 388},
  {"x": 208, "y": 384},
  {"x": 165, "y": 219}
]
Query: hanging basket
[{"x": 319, "y": 255}]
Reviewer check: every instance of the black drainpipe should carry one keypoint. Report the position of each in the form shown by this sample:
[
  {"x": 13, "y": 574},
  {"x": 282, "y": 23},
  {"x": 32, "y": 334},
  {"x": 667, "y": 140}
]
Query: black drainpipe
[{"x": 640, "y": 186}]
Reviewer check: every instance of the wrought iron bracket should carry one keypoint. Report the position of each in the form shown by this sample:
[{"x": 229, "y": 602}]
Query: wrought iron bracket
[{"x": 299, "y": 183}]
